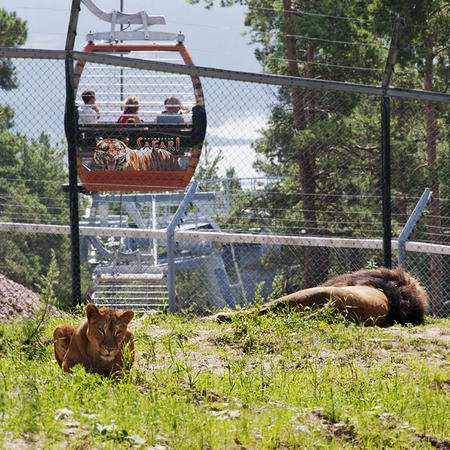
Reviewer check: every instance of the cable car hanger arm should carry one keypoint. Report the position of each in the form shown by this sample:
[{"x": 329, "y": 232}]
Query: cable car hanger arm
[
  {"x": 140, "y": 18},
  {"x": 134, "y": 36},
  {"x": 122, "y": 18}
]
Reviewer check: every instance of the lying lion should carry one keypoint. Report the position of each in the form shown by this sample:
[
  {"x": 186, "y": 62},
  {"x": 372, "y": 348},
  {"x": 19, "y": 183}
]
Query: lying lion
[
  {"x": 98, "y": 343},
  {"x": 372, "y": 297}
]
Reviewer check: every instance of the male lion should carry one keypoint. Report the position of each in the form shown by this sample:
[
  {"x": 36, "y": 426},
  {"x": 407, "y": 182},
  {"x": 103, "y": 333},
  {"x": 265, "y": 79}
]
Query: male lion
[
  {"x": 372, "y": 297},
  {"x": 98, "y": 343}
]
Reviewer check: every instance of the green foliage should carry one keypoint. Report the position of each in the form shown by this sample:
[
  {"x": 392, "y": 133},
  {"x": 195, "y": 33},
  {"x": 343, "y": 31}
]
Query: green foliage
[
  {"x": 426, "y": 27},
  {"x": 371, "y": 264},
  {"x": 31, "y": 175},
  {"x": 336, "y": 148},
  {"x": 278, "y": 287},
  {"x": 127, "y": 360},
  {"x": 33, "y": 341},
  {"x": 258, "y": 297},
  {"x": 13, "y": 32},
  {"x": 48, "y": 282},
  {"x": 209, "y": 164},
  {"x": 6, "y": 117},
  {"x": 192, "y": 294}
]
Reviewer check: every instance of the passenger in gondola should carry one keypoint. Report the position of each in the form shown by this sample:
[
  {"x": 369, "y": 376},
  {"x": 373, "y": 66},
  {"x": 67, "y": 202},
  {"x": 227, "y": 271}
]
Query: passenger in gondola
[
  {"x": 130, "y": 111},
  {"x": 88, "y": 113},
  {"x": 172, "y": 114}
]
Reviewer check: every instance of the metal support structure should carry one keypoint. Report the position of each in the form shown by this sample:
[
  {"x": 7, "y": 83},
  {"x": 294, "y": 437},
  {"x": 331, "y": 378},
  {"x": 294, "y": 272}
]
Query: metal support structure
[
  {"x": 170, "y": 233},
  {"x": 121, "y": 69},
  {"x": 118, "y": 17},
  {"x": 386, "y": 143},
  {"x": 162, "y": 197},
  {"x": 71, "y": 131},
  {"x": 407, "y": 230},
  {"x": 392, "y": 53},
  {"x": 386, "y": 179},
  {"x": 154, "y": 227},
  {"x": 222, "y": 237}
]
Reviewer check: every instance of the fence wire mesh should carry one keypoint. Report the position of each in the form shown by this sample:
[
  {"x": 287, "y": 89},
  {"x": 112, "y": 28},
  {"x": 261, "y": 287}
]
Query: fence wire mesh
[{"x": 276, "y": 161}]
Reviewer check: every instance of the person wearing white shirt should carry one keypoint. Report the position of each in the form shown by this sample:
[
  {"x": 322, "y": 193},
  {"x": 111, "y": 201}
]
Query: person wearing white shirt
[{"x": 88, "y": 113}]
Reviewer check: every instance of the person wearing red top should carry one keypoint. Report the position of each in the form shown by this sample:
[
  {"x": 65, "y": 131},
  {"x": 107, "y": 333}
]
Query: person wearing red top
[{"x": 130, "y": 111}]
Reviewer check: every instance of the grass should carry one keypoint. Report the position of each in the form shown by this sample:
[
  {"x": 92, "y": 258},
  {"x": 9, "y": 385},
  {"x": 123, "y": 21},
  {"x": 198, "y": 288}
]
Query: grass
[{"x": 297, "y": 380}]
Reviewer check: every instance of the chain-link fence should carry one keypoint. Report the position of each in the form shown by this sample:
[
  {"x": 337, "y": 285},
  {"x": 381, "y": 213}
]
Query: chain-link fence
[{"x": 271, "y": 166}]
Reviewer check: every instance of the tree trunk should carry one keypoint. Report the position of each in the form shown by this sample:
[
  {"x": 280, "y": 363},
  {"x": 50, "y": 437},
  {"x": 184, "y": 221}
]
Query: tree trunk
[
  {"x": 306, "y": 159},
  {"x": 434, "y": 218}
]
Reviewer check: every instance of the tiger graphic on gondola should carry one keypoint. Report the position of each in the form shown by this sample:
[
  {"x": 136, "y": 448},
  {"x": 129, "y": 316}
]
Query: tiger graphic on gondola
[{"x": 113, "y": 154}]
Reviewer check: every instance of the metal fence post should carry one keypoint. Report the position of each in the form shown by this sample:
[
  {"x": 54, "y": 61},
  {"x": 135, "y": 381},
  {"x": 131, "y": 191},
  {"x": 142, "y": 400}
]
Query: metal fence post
[
  {"x": 170, "y": 233},
  {"x": 386, "y": 143},
  {"x": 410, "y": 224},
  {"x": 71, "y": 130},
  {"x": 386, "y": 179}
]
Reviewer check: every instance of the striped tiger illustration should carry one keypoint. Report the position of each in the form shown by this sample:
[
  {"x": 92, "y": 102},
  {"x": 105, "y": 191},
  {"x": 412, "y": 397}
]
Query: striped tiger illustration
[{"x": 113, "y": 154}]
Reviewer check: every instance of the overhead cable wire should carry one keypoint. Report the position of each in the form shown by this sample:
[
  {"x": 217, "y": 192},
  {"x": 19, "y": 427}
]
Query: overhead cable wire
[
  {"x": 343, "y": 67},
  {"x": 41, "y": 8},
  {"x": 298, "y": 12},
  {"x": 324, "y": 211},
  {"x": 317, "y": 194},
  {"x": 310, "y": 38},
  {"x": 299, "y": 61}
]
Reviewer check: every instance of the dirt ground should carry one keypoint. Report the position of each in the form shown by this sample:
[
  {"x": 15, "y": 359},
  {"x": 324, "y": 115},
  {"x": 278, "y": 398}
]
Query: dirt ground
[
  {"x": 17, "y": 300},
  {"x": 201, "y": 351}
]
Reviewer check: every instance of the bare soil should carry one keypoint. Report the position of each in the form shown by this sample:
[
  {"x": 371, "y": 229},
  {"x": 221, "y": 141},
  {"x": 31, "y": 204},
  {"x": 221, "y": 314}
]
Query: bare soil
[{"x": 17, "y": 300}]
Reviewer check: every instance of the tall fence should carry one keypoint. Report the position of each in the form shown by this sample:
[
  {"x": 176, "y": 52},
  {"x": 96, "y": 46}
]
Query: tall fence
[{"x": 284, "y": 209}]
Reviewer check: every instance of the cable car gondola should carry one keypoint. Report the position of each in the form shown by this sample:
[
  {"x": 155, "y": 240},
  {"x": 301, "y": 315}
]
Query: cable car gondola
[{"x": 151, "y": 149}]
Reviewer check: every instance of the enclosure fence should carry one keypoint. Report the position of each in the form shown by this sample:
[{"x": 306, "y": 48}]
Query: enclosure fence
[{"x": 274, "y": 209}]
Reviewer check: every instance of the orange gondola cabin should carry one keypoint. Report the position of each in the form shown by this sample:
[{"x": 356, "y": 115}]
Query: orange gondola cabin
[{"x": 139, "y": 130}]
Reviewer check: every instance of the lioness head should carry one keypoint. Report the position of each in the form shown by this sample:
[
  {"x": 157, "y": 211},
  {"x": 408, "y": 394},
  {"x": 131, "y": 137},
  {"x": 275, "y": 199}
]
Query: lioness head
[
  {"x": 106, "y": 329},
  {"x": 111, "y": 154}
]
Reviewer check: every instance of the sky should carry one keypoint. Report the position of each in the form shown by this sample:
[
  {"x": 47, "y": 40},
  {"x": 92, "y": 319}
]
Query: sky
[{"x": 215, "y": 38}]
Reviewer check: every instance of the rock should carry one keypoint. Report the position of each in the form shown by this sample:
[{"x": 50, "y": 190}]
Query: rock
[{"x": 63, "y": 413}]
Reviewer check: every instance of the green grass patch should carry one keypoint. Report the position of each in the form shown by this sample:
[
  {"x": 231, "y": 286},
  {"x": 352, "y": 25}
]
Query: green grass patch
[{"x": 308, "y": 380}]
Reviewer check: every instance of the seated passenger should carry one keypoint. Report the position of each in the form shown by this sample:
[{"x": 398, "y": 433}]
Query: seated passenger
[
  {"x": 130, "y": 111},
  {"x": 171, "y": 115},
  {"x": 88, "y": 113}
]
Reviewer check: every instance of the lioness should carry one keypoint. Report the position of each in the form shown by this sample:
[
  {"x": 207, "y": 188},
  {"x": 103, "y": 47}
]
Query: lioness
[
  {"x": 98, "y": 342},
  {"x": 372, "y": 297}
]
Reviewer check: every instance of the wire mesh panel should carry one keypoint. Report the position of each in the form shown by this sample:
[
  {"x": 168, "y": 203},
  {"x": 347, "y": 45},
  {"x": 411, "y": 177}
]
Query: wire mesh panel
[
  {"x": 26, "y": 259},
  {"x": 36, "y": 105},
  {"x": 278, "y": 161},
  {"x": 125, "y": 274},
  {"x": 32, "y": 172},
  {"x": 433, "y": 271},
  {"x": 421, "y": 159},
  {"x": 238, "y": 274},
  {"x": 320, "y": 164}
]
